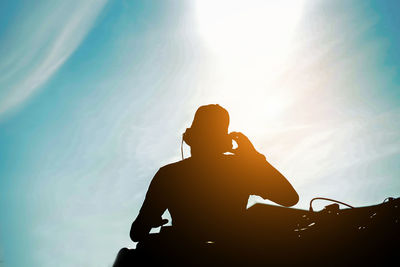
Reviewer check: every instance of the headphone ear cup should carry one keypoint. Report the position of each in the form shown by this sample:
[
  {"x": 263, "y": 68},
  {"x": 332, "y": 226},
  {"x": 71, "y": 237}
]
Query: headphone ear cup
[{"x": 187, "y": 136}]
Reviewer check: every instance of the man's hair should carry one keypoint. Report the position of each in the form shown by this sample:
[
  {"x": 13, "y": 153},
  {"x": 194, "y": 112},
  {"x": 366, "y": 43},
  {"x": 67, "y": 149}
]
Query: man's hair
[
  {"x": 209, "y": 122},
  {"x": 211, "y": 117}
]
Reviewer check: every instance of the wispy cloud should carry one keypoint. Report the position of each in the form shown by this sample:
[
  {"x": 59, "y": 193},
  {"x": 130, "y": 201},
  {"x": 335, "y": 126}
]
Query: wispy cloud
[{"x": 42, "y": 40}]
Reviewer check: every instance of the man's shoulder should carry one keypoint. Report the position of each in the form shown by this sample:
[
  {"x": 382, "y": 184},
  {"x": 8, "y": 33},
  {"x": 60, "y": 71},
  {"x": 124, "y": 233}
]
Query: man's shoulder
[
  {"x": 189, "y": 163},
  {"x": 190, "y": 160},
  {"x": 175, "y": 165}
]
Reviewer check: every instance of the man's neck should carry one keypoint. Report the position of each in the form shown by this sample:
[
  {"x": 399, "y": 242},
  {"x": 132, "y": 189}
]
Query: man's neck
[{"x": 204, "y": 154}]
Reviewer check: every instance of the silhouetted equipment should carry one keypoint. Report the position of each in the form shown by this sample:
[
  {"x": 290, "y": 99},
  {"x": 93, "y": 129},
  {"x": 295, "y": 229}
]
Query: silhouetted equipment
[{"x": 276, "y": 235}]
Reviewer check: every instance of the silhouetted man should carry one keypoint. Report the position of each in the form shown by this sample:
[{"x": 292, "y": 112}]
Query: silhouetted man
[{"x": 208, "y": 192}]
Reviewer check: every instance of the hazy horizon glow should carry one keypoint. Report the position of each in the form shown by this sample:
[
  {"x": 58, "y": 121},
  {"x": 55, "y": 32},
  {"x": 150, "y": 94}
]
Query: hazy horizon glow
[{"x": 94, "y": 97}]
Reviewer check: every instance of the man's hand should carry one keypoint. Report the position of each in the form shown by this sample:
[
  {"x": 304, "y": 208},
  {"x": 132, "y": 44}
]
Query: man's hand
[
  {"x": 245, "y": 147},
  {"x": 140, "y": 230},
  {"x": 159, "y": 223}
]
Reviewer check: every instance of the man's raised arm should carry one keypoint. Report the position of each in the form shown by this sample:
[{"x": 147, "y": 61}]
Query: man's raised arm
[{"x": 266, "y": 181}]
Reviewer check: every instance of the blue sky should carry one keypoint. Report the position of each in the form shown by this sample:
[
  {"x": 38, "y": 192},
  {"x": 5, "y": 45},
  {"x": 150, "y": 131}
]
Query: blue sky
[{"x": 94, "y": 96}]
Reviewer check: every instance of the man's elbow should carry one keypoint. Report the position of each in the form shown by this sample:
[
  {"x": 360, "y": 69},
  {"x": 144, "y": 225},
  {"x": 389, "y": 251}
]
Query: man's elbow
[
  {"x": 134, "y": 237},
  {"x": 135, "y": 234},
  {"x": 291, "y": 200},
  {"x": 288, "y": 200}
]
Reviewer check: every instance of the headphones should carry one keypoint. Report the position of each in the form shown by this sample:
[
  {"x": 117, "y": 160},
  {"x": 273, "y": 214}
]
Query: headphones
[{"x": 186, "y": 137}]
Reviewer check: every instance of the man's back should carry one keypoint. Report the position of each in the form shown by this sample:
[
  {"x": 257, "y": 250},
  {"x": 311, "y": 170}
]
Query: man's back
[{"x": 205, "y": 197}]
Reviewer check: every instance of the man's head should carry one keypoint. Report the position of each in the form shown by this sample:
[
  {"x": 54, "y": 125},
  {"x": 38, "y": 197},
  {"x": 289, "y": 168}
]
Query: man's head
[{"x": 209, "y": 130}]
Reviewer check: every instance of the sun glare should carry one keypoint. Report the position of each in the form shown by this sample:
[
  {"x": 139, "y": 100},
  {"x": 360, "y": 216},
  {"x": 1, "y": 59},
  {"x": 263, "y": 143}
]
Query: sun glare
[{"x": 249, "y": 44}]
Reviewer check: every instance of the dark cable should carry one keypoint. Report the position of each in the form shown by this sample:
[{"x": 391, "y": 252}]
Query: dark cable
[
  {"x": 388, "y": 199},
  {"x": 329, "y": 199},
  {"x": 182, "y": 148}
]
